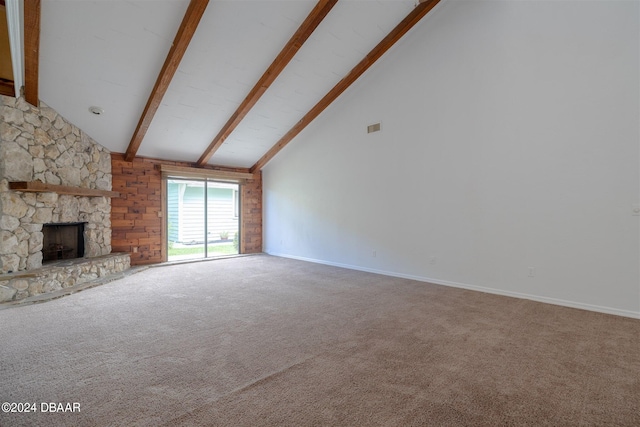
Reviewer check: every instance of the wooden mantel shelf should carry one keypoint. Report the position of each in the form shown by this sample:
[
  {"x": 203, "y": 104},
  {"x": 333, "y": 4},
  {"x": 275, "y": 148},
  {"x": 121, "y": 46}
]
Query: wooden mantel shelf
[{"x": 41, "y": 187}]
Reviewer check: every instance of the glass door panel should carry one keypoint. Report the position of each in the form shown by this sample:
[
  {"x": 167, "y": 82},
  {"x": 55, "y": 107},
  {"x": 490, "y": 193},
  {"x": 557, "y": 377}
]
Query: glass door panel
[
  {"x": 186, "y": 221},
  {"x": 222, "y": 219}
]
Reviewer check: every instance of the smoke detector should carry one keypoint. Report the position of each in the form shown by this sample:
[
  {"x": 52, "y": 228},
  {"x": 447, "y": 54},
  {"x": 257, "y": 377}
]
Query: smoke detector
[{"x": 96, "y": 110}]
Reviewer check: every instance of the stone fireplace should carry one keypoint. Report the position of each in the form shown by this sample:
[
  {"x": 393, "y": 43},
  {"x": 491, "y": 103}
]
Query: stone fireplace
[
  {"x": 65, "y": 179},
  {"x": 62, "y": 241}
]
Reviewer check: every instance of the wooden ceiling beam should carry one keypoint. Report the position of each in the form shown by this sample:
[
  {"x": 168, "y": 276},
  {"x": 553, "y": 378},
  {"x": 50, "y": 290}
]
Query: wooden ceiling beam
[
  {"x": 188, "y": 27},
  {"x": 317, "y": 15},
  {"x": 423, "y": 7},
  {"x": 31, "y": 50}
]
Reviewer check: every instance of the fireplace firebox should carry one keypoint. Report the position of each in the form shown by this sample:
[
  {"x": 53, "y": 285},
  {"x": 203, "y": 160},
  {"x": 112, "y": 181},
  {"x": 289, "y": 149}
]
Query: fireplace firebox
[{"x": 63, "y": 241}]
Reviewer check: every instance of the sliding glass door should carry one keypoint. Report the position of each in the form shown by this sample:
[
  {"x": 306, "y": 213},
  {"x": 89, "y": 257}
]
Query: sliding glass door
[{"x": 202, "y": 219}]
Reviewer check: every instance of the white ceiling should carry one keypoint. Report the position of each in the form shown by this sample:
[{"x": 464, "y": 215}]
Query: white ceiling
[{"x": 109, "y": 54}]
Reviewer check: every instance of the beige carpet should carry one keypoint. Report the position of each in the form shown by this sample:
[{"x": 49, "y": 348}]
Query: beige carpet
[{"x": 264, "y": 341}]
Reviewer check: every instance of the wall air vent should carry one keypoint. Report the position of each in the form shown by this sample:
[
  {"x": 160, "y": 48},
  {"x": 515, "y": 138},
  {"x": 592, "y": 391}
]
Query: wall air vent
[{"x": 373, "y": 128}]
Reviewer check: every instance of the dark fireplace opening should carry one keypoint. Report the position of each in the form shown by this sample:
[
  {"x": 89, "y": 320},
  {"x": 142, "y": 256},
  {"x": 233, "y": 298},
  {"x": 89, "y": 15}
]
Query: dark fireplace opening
[{"x": 63, "y": 241}]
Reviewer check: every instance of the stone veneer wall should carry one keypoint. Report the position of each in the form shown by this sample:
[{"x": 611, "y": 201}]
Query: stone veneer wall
[
  {"x": 61, "y": 275},
  {"x": 37, "y": 144}
]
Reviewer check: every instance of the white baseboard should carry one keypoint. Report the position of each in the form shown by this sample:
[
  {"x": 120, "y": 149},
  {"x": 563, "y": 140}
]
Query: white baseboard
[{"x": 555, "y": 301}]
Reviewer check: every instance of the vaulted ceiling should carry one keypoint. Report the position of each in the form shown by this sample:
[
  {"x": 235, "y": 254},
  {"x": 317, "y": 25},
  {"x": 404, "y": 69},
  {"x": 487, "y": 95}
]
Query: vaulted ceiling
[{"x": 207, "y": 107}]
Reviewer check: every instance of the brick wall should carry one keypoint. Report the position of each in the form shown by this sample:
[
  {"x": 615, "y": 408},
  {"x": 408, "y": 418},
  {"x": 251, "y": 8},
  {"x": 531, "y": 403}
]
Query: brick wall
[
  {"x": 136, "y": 224},
  {"x": 251, "y": 220},
  {"x": 135, "y": 216}
]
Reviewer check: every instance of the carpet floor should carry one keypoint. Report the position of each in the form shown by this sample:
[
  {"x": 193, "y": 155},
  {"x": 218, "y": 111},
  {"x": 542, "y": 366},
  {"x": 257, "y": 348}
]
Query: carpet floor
[{"x": 266, "y": 341}]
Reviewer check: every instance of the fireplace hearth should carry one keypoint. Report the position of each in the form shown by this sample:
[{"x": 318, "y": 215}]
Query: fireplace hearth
[{"x": 63, "y": 241}]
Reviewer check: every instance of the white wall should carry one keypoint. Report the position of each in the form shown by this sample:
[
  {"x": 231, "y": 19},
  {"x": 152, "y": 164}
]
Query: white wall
[{"x": 510, "y": 139}]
